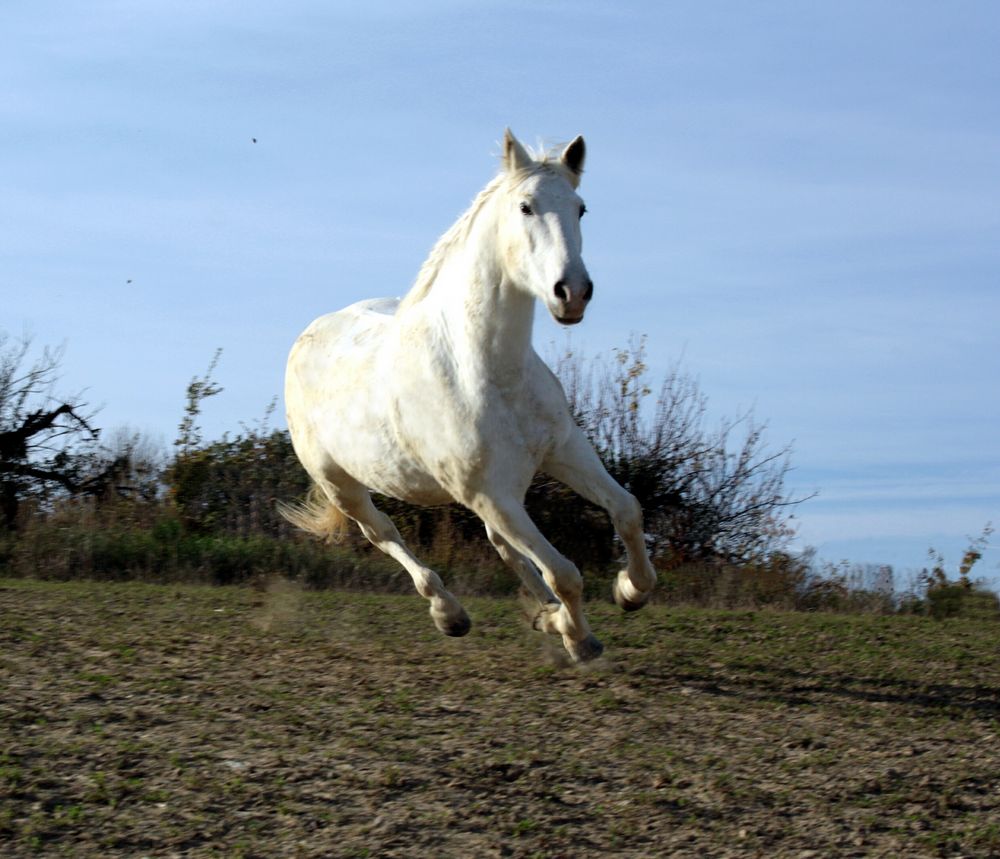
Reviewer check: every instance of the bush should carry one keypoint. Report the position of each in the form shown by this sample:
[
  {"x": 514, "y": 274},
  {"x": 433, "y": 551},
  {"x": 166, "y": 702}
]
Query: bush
[
  {"x": 709, "y": 495},
  {"x": 231, "y": 486},
  {"x": 956, "y": 600},
  {"x": 82, "y": 540},
  {"x": 847, "y": 587},
  {"x": 941, "y": 597}
]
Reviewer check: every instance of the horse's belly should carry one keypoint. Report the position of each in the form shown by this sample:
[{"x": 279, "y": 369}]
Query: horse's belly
[{"x": 413, "y": 486}]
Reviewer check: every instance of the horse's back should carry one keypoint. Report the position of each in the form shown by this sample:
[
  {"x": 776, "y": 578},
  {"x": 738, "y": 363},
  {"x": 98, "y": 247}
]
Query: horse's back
[
  {"x": 357, "y": 319},
  {"x": 344, "y": 337}
]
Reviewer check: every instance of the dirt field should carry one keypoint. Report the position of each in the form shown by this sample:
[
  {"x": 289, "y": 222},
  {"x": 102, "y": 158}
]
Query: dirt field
[{"x": 139, "y": 720}]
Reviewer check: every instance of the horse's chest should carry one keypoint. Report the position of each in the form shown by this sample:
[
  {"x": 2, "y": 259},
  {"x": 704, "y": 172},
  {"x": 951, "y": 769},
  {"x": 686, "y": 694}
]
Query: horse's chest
[
  {"x": 527, "y": 424},
  {"x": 512, "y": 429},
  {"x": 458, "y": 437}
]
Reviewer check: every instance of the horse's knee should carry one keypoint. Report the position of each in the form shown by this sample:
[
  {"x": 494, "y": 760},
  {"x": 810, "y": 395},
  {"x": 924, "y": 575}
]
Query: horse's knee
[
  {"x": 627, "y": 513},
  {"x": 567, "y": 579}
]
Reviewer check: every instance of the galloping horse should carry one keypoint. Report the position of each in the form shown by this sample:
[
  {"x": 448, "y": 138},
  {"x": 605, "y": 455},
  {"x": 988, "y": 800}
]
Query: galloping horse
[{"x": 441, "y": 397}]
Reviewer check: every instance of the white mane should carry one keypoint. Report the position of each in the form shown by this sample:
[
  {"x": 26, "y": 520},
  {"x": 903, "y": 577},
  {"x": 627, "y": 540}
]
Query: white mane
[{"x": 455, "y": 235}]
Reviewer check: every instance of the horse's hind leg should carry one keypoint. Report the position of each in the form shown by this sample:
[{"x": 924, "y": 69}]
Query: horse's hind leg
[
  {"x": 353, "y": 498},
  {"x": 508, "y": 519},
  {"x": 526, "y": 571}
]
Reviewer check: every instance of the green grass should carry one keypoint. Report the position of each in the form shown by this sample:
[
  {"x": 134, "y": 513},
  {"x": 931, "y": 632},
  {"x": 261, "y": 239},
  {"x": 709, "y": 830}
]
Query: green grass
[{"x": 162, "y": 720}]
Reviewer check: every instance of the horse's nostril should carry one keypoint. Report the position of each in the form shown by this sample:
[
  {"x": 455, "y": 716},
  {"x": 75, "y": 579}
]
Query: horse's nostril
[
  {"x": 560, "y": 290},
  {"x": 588, "y": 294}
]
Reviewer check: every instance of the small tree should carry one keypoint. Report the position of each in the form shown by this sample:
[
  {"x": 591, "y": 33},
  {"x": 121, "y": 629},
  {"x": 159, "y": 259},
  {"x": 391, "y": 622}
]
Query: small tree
[
  {"x": 46, "y": 441},
  {"x": 231, "y": 486},
  {"x": 199, "y": 390}
]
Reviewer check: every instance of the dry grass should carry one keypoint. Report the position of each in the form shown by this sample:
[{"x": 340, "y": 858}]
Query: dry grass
[{"x": 141, "y": 720}]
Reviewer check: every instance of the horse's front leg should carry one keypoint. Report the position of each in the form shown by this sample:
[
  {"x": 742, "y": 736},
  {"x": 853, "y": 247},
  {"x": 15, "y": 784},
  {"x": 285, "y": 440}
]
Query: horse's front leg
[
  {"x": 505, "y": 518},
  {"x": 577, "y": 464}
]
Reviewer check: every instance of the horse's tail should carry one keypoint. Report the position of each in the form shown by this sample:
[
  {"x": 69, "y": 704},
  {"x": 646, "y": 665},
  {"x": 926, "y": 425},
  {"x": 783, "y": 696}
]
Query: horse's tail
[{"x": 318, "y": 515}]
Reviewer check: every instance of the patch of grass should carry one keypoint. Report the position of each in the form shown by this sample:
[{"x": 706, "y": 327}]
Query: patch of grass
[{"x": 523, "y": 827}]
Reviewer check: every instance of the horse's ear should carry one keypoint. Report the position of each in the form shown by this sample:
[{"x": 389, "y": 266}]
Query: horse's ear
[
  {"x": 573, "y": 156},
  {"x": 515, "y": 156}
]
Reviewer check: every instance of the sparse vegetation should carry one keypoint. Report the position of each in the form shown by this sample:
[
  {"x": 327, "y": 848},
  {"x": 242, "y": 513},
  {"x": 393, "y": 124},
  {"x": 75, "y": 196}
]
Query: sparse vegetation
[
  {"x": 718, "y": 516},
  {"x": 941, "y": 597},
  {"x": 145, "y": 720}
]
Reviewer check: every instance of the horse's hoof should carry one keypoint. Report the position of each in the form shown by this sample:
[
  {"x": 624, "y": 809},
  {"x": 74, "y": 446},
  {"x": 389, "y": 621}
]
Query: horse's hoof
[
  {"x": 629, "y": 605},
  {"x": 629, "y": 602},
  {"x": 585, "y": 650},
  {"x": 458, "y": 627}
]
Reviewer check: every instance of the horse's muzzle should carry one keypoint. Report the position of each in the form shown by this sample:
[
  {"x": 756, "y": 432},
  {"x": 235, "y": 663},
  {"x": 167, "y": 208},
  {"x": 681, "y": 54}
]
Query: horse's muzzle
[{"x": 569, "y": 300}]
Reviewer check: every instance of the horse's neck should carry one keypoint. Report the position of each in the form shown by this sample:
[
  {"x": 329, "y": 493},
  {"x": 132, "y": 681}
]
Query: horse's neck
[{"x": 489, "y": 322}]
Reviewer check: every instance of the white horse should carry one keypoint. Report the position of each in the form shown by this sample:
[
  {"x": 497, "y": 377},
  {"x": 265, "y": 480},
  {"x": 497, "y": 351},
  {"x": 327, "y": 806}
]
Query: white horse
[{"x": 441, "y": 397}]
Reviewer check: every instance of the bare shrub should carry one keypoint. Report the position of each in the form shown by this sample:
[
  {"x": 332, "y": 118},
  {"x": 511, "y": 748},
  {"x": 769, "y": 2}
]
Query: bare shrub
[{"x": 708, "y": 494}]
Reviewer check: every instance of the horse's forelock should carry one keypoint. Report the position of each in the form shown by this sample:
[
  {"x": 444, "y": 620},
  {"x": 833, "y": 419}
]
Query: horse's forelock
[{"x": 549, "y": 157}]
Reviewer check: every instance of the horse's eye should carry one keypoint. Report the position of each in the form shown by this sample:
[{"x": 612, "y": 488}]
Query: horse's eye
[
  {"x": 583, "y": 210},
  {"x": 525, "y": 209}
]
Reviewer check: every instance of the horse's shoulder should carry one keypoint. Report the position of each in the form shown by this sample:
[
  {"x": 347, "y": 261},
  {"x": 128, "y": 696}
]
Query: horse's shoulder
[
  {"x": 544, "y": 380},
  {"x": 546, "y": 399}
]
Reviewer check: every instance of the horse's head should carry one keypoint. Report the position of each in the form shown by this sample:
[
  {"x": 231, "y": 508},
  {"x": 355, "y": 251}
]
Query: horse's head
[{"x": 540, "y": 241}]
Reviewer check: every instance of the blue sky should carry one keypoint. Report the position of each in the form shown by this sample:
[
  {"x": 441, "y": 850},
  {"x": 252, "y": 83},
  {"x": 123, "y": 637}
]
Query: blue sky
[{"x": 799, "y": 201}]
